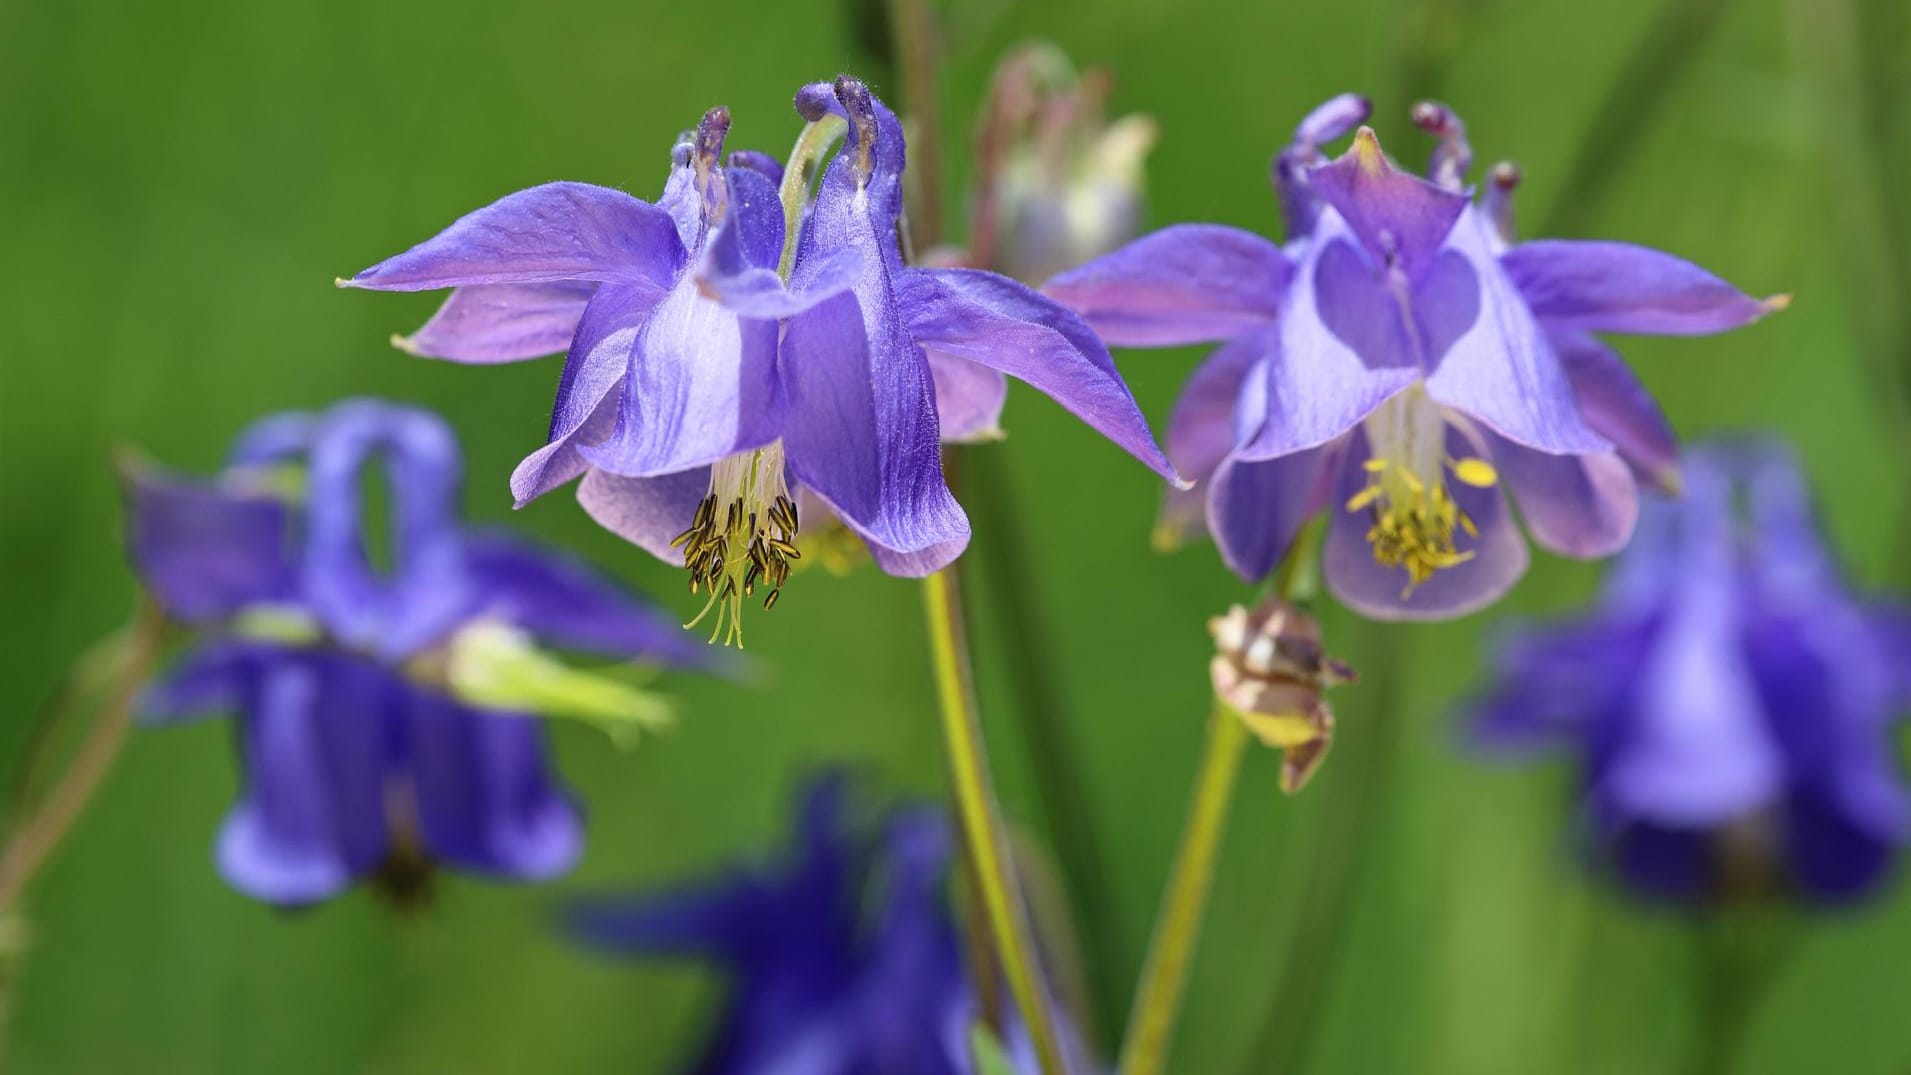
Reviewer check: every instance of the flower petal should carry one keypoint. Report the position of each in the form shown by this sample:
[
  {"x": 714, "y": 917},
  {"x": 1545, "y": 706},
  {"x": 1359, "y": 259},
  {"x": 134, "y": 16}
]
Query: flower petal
[
  {"x": 1189, "y": 283},
  {"x": 1560, "y": 685},
  {"x": 991, "y": 319},
  {"x": 1343, "y": 350},
  {"x": 205, "y": 550},
  {"x": 1201, "y": 432},
  {"x": 210, "y": 679},
  {"x": 1256, "y": 507},
  {"x": 969, "y": 397},
  {"x": 1501, "y": 370},
  {"x": 647, "y": 512},
  {"x": 555, "y": 232},
  {"x": 861, "y": 428},
  {"x": 586, "y": 408},
  {"x": 1619, "y": 287},
  {"x": 501, "y": 323},
  {"x": 486, "y": 799},
  {"x": 700, "y": 385},
  {"x": 1618, "y": 407},
  {"x": 1583, "y": 506},
  {"x": 566, "y": 602},
  {"x": 1400, "y": 218},
  {"x": 1378, "y": 592},
  {"x": 314, "y": 741}
]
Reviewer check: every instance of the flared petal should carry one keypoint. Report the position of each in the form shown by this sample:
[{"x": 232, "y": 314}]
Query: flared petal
[
  {"x": 1201, "y": 432},
  {"x": 1663, "y": 862},
  {"x": 314, "y": 737},
  {"x": 205, "y": 549},
  {"x": 992, "y": 320},
  {"x": 425, "y": 593},
  {"x": 1617, "y": 407},
  {"x": 1501, "y": 369},
  {"x": 1400, "y": 219},
  {"x": 587, "y": 401},
  {"x": 485, "y": 796},
  {"x": 700, "y": 385},
  {"x": 555, "y": 232},
  {"x": 1828, "y": 856},
  {"x": 211, "y": 679},
  {"x": 861, "y": 427},
  {"x": 501, "y": 323},
  {"x": 1343, "y": 350},
  {"x": 969, "y": 397},
  {"x": 1256, "y": 507},
  {"x": 1619, "y": 287},
  {"x": 565, "y": 602},
  {"x": 1380, "y": 593},
  {"x": 276, "y": 438},
  {"x": 1189, "y": 283},
  {"x": 1583, "y": 506},
  {"x": 1559, "y": 686},
  {"x": 647, "y": 512},
  {"x": 739, "y": 267}
]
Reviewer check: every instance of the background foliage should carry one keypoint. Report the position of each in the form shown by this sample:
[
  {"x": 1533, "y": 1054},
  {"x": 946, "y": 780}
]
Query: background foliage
[{"x": 181, "y": 181}]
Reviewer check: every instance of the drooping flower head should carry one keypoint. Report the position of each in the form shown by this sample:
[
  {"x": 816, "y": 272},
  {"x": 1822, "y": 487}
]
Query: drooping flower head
[
  {"x": 1398, "y": 364},
  {"x": 1731, "y": 705},
  {"x": 384, "y": 715},
  {"x": 843, "y": 959},
  {"x": 716, "y": 396}
]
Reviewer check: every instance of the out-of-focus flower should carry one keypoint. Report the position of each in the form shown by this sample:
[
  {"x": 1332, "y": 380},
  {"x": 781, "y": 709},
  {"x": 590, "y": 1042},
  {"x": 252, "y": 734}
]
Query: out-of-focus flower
[
  {"x": 1731, "y": 704},
  {"x": 843, "y": 958},
  {"x": 709, "y": 398},
  {"x": 1269, "y": 672},
  {"x": 1396, "y": 364},
  {"x": 1057, "y": 183},
  {"x": 382, "y": 715}
]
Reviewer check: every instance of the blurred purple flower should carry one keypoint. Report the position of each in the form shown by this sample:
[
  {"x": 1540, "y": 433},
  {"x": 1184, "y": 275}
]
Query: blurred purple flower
[
  {"x": 1396, "y": 363},
  {"x": 356, "y": 752},
  {"x": 1732, "y": 705},
  {"x": 825, "y": 979},
  {"x": 708, "y": 398}
]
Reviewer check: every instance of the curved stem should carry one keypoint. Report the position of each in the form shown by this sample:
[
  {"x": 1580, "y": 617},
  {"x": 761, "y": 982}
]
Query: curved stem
[
  {"x": 983, "y": 835},
  {"x": 1165, "y": 975},
  {"x": 35, "y": 836}
]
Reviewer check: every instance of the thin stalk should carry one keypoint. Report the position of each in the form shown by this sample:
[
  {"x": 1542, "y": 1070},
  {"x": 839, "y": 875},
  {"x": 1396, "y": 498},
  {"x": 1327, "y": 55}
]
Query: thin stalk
[
  {"x": 984, "y": 838},
  {"x": 37, "y": 834},
  {"x": 1164, "y": 976},
  {"x": 920, "y": 70}
]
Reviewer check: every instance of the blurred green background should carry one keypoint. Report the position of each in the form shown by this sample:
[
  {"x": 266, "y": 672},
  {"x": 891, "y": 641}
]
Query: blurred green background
[{"x": 180, "y": 182}]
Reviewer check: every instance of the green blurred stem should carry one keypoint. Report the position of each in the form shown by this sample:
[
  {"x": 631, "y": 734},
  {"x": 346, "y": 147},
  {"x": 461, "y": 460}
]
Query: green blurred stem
[
  {"x": 920, "y": 69},
  {"x": 38, "y": 833},
  {"x": 1164, "y": 976},
  {"x": 984, "y": 837}
]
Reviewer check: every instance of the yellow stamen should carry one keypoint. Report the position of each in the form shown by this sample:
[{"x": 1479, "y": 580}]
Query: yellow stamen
[{"x": 1415, "y": 520}]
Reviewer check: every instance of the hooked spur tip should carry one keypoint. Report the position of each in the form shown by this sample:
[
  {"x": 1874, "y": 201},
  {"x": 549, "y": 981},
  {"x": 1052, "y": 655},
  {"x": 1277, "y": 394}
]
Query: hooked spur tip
[
  {"x": 711, "y": 131},
  {"x": 1506, "y": 175},
  {"x": 1431, "y": 116}
]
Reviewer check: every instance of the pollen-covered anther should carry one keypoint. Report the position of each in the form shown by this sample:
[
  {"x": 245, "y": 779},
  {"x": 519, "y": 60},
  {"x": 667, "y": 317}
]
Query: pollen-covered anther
[
  {"x": 1415, "y": 521},
  {"x": 742, "y": 538}
]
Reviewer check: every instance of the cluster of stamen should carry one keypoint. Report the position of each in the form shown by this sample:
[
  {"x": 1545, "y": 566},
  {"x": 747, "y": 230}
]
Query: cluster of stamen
[
  {"x": 1415, "y": 521},
  {"x": 742, "y": 537}
]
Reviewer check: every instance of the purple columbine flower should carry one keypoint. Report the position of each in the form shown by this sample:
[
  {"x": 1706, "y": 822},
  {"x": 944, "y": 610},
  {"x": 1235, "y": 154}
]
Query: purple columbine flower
[
  {"x": 1732, "y": 705},
  {"x": 381, "y": 715},
  {"x": 709, "y": 394},
  {"x": 843, "y": 958},
  {"x": 1397, "y": 364}
]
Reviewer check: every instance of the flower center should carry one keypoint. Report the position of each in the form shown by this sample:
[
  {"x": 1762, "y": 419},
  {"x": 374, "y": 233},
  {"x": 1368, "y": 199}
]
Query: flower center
[
  {"x": 743, "y": 535},
  {"x": 1414, "y": 518}
]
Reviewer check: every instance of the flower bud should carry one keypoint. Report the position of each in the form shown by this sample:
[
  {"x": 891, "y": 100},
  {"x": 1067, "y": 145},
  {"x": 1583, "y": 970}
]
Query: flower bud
[{"x": 1269, "y": 671}]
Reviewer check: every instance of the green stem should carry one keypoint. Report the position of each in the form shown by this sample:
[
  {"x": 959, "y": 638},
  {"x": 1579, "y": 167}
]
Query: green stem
[
  {"x": 983, "y": 835},
  {"x": 37, "y": 834},
  {"x": 1164, "y": 976}
]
